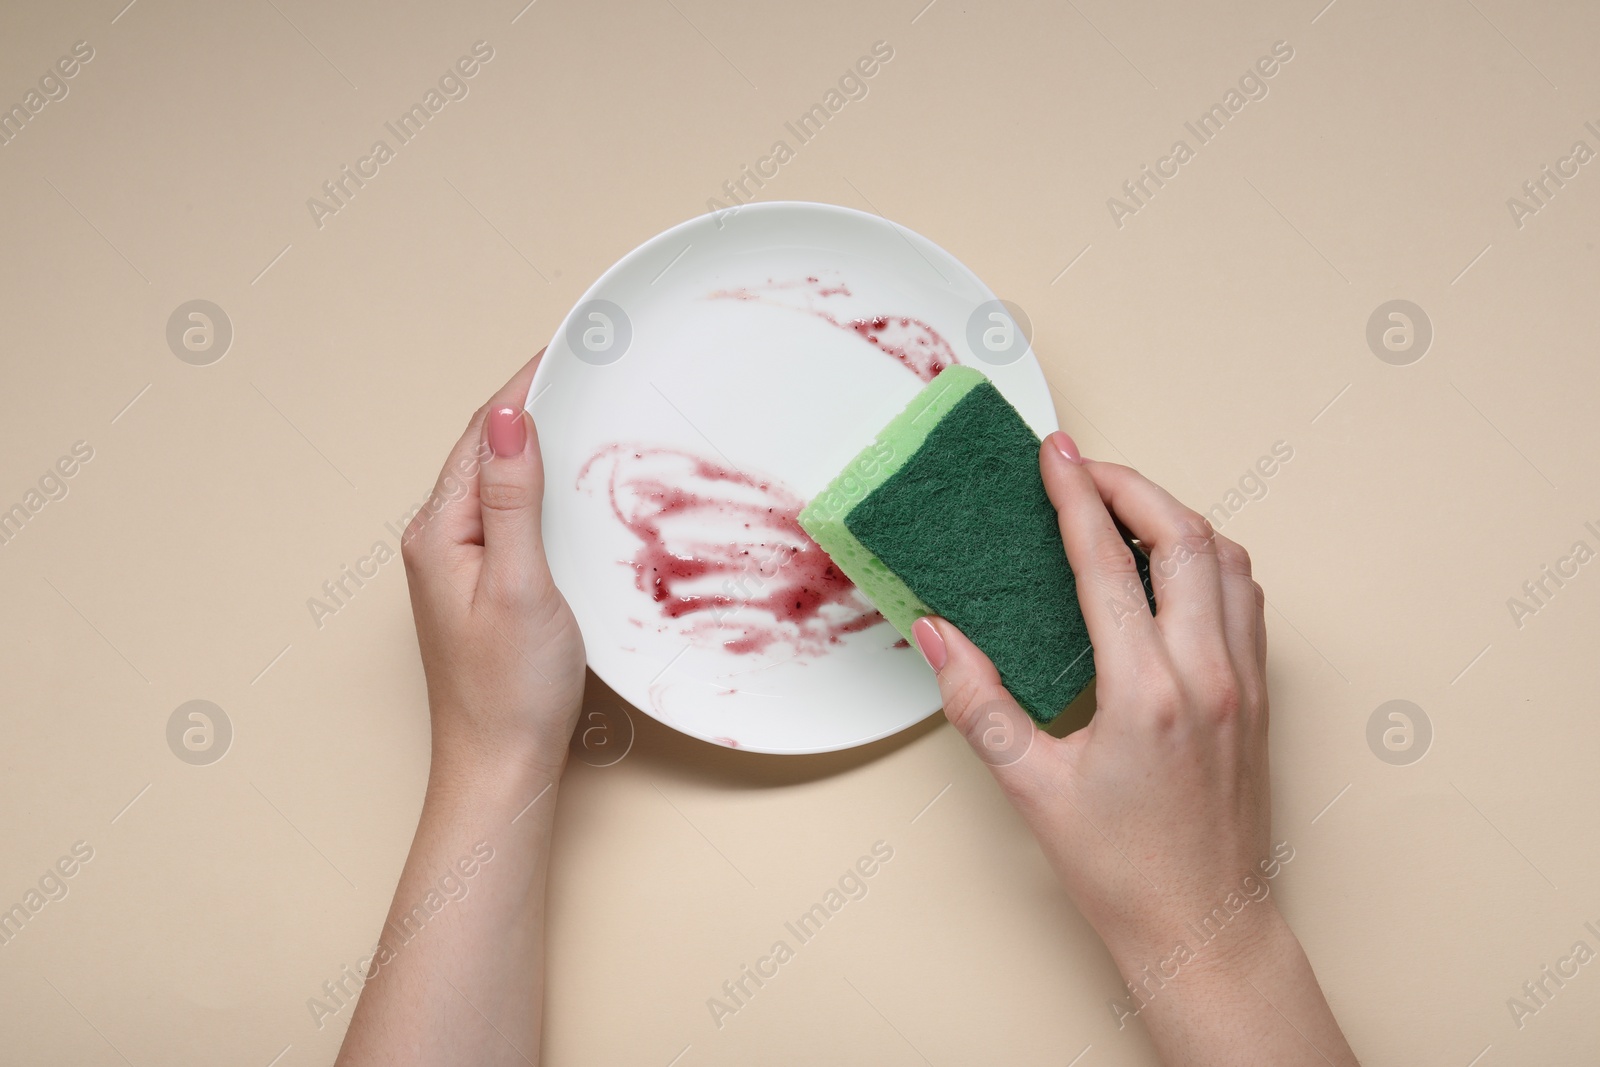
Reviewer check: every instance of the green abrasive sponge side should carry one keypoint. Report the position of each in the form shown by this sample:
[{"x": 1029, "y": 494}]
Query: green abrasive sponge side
[{"x": 946, "y": 513}]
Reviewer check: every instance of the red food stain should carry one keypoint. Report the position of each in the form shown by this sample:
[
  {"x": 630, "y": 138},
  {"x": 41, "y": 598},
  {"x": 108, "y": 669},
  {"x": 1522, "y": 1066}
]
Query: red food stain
[
  {"x": 914, "y": 343},
  {"x": 730, "y": 742},
  {"x": 911, "y": 341},
  {"x": 723, "y": 555}
]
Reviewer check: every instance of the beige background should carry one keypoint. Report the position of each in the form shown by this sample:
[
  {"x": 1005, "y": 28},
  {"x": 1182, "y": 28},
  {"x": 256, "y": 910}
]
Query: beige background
[{"x": 1228, "y": 314}]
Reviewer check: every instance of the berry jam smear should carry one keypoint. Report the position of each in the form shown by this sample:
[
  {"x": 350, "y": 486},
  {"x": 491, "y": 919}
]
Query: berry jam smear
[
  {"x": 722, "y": 553},
  {"x": 915, "y": 344}
]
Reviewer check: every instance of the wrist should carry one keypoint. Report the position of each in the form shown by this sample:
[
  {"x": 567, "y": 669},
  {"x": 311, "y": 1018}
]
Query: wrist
[
  {"x": 1222, "y": 941},
  {"x": 469, "y": 744},
  {"x": 487, "y": 768}
]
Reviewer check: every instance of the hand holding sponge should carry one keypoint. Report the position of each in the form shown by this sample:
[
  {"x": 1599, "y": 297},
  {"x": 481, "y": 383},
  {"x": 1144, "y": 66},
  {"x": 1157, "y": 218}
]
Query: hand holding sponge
[{"x": 945, "y": 513}]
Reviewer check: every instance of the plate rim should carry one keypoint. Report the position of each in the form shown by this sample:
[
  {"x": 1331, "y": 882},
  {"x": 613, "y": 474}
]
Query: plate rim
[{"x": 637, "y": 253}]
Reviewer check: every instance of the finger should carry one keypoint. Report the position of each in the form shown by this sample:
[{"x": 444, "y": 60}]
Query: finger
[
  {"x": 1238, "y": 603},
  {"x": 1239, "y": 623},
  {"x": 1261, "y": 628},
  {"x": 511, "y": 394},
  {"x": 511, "y": 491},
  {"x": 515, "y": 391},
  {"x": 1261, "y": 651},
  {"x": 976, "y": 703},
  {"x": 1183, "y": 560},
  {"x": 448, "y": 517},
  {"x": 451, "y": 517},
  {"x": 1110, "y": 592}
]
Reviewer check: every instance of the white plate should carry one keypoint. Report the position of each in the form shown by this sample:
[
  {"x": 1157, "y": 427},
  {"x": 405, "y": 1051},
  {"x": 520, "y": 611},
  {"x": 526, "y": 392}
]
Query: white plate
[{"x": 725, "y": 350}]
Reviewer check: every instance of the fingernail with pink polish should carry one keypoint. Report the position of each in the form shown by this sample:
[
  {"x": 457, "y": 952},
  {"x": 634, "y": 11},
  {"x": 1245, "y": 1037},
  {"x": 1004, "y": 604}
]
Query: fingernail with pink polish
[
  {"x": 508, "y": 432},
  {"x": 929, "y": 642},
  {"x": 1066, "y": 446}
]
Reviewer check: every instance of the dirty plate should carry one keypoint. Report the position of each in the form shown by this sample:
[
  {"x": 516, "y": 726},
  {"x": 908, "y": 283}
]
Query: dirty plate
[{"x": 691, "y": 403}]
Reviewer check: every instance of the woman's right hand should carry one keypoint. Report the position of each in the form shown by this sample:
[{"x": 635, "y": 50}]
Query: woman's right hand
[{"x": 1158, "y": 813}]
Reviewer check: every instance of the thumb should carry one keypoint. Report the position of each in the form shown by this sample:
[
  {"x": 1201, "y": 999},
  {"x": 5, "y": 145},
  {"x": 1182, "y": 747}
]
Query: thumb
[
  {"x": 975, "y": 701},
  {"x": 511, "y": 490}
]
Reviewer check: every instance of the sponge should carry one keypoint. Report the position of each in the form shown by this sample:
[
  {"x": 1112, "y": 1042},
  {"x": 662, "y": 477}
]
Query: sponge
[{"x": 945, "y": 513}]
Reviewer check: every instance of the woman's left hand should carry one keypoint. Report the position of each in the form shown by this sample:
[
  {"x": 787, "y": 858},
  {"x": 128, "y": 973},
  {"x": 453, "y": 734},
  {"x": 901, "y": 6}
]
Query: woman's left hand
[{"x": 500, "y": 647}]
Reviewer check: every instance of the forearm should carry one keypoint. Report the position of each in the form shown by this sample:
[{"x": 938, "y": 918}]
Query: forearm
[
  {"x": 1248, "y": 998},
  {"x": 459, "y": 970}
]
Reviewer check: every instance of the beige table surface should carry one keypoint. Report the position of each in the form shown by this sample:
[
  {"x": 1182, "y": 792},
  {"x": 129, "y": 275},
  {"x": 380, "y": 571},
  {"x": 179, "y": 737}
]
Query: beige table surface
[{"x": 1188, "y": 333}]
